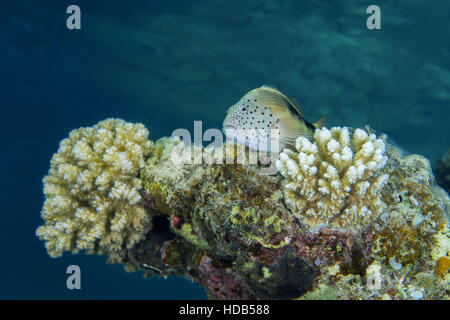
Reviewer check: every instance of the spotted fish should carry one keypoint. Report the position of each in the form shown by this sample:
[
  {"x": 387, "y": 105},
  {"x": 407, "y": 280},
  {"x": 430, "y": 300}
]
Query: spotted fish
[{"x": 265, "y": 115}]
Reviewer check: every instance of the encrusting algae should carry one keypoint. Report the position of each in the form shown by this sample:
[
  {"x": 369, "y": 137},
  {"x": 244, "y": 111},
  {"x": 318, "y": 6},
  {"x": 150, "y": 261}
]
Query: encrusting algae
[{"x": 348, "y": 215}]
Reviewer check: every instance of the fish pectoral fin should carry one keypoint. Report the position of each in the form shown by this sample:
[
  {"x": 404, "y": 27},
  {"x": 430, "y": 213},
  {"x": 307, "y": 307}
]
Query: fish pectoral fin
[
  {"x": 290, "y": 136},
  {"x": 288, "y": 140}
]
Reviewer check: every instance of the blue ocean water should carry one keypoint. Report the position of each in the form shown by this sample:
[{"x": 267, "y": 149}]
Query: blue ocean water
[{"x": 168, "y": 63}]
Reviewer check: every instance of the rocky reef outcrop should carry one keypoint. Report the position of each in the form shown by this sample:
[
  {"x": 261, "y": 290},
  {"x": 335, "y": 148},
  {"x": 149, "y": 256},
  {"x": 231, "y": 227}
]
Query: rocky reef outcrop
[{"x": 238, "y": 233}]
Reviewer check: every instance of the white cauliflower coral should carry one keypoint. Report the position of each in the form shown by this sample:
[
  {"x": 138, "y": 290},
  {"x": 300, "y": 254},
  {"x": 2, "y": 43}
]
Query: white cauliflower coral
[
  {"x": 92, "y": 190},
  {"x": 334, "y": 180}
]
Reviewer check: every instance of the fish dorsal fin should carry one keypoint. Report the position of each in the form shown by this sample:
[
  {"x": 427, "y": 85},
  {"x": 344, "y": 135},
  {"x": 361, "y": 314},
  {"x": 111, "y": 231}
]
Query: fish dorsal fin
[{"x": 292, "y": 101}]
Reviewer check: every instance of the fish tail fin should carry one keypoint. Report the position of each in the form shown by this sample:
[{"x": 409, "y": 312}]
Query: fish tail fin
[{"x": 321, "y": 122}]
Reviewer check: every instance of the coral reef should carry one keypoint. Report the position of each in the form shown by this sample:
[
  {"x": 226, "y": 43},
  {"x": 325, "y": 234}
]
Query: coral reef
[
  {"x": 238, "y": 218},
  {"x": 334, "y": 180},
  {"x": 442, "y": 170},
  {"x": 92, "y": 191},
  {"x": 239, "y": 233}
]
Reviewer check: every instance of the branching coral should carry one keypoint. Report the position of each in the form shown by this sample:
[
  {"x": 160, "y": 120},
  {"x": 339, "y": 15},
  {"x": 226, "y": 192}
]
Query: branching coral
[
  {"x": 334, "y": 180},
  {"x": 92, "y": 190}
]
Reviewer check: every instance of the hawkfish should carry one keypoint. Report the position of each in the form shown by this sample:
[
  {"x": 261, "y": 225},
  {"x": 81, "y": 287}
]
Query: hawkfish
[{"x": 265, "y": 119}]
